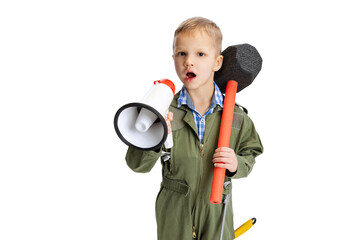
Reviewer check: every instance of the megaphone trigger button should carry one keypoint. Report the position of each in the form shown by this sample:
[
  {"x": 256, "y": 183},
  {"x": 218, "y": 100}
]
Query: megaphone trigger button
[{"x": 165, "y": 156}]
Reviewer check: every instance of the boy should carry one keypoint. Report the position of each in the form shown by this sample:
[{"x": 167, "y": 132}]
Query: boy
[{"x": 183, "y": 208}]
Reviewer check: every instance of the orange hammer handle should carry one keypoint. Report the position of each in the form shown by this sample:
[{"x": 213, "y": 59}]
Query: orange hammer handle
[{"x": 224, "y": 139}]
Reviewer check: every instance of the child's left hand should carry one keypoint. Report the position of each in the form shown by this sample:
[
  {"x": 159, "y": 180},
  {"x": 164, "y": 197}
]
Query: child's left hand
[{"x": 225, "y": 157}]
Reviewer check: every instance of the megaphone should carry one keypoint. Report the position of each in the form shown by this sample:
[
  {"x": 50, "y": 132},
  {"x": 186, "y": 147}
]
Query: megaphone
[{"x": 142, "y": 125}]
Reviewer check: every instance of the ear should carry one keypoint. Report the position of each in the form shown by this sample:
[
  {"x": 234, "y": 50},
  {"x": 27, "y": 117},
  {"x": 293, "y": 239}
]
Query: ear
[{"x": 218, "y": 63}]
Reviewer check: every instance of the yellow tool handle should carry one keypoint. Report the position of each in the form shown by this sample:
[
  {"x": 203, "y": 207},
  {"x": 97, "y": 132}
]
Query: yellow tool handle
[{"x": 246, "y": 226}]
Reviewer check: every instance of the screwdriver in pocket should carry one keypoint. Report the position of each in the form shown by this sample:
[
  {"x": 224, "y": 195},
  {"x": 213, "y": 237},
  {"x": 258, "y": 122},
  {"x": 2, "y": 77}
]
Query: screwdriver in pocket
[{"x": 246, "y": 226}]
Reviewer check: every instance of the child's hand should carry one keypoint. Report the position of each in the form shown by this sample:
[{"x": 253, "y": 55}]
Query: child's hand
[
  {"x": 168, "y": 118},
  {"x": 225, "y": 157}
]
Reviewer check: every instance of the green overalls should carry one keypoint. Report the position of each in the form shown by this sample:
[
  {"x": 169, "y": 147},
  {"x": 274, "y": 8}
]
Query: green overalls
[{"x": 183, "y": 208}]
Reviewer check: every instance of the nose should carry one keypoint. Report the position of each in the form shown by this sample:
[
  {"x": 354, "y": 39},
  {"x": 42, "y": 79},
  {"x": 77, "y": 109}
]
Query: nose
[{"x": 188, "y": 62}]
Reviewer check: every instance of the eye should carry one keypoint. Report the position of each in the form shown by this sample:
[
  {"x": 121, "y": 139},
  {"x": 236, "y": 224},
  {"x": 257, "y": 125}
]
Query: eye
[
  {"x": 181, "y": 53},
  {"x": 201, "y": 54}
]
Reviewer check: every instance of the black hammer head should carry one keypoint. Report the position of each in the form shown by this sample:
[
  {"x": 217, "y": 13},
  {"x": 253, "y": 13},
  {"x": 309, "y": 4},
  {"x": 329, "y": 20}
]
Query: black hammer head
[{"x": 241, "y": 63}]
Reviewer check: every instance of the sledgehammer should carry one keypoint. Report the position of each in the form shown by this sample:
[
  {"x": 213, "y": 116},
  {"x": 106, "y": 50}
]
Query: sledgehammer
[{"x": 241, "y": 65}]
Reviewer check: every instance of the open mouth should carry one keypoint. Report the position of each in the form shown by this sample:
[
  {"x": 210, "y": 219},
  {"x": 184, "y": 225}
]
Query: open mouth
[{"x": 190, "y": 75}]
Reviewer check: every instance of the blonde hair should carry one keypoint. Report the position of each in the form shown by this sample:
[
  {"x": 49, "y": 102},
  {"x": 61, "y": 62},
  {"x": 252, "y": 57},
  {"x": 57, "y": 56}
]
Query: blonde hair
[{"x": 203, "y": 24}]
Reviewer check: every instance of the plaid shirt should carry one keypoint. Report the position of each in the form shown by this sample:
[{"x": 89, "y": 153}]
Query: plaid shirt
[{"x": 185, "y": 99}]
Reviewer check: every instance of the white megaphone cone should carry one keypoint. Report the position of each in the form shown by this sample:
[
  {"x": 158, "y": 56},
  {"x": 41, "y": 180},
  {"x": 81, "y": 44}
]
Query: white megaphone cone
[
  {"x": 142, "y": 125},
  {"x": 145, "y": 119}
]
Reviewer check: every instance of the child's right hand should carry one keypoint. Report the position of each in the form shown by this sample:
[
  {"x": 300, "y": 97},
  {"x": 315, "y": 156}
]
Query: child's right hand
[{"x": 168, "y": 118}]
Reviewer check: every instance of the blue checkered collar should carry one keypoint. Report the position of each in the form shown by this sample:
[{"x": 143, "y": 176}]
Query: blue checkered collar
[{"x": 185, "y": 99}]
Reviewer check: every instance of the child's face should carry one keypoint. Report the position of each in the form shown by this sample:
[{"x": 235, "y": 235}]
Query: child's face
[{"x": 196, "y": 59}]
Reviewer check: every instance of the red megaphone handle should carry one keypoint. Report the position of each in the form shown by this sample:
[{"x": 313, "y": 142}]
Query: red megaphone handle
[{"x": 224, "y": 139}]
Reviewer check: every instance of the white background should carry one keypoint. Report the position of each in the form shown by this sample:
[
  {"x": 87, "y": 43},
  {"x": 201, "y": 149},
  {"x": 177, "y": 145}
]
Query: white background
[{"x": 67, "y": 66}]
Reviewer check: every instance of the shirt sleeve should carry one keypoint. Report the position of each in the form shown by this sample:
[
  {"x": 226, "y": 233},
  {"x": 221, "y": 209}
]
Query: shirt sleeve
[
  {"x": 248, "y": 148},
  {"x": 141, "y": 161}
]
